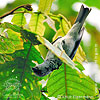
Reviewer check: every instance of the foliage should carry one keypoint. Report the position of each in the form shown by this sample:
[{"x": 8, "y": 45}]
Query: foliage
[
  {"x": 21, "y": 48},
  {"x": 68, "y": 82}
]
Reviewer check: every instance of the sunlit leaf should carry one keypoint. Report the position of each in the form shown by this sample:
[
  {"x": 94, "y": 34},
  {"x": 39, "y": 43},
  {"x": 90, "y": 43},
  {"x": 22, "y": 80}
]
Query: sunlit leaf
[
  {"x": 43, "y": 50},
  {"x": 49, "y": 33},
  {"x": 45, "y": 5},
  {"x": 36, "y": 23},
  {"x": 11, "y": 43},
  {"x": 19, "y": 19},
  {"x": 80, "y": 55},
  {"x": 25, "y": 33},
  {"x": 79, "y": 66},
  {"x": 67, "y": 82},
  {"x": 64, "y": 27},
  {"x": 10, "y": 26},
  {"x": 50, "y": 22}
]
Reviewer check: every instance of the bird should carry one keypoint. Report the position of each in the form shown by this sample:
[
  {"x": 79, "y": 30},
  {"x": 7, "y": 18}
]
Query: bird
[{"x": 69, "y": 44}]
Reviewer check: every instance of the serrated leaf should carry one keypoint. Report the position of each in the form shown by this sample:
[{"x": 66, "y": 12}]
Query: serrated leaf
[
  {"x": 36, "y": 23},
  {"x": 19, "y": 19},
  {"x": 67, "y": 82},
  {"x": 45, "y": 6},
  {"x": 11, "y": 43},
  {"x": 16, "y": 77}
]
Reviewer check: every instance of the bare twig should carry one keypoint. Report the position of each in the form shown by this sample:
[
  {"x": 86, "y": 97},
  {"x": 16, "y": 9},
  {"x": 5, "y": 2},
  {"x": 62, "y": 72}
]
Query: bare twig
[{"x": 28, "y": 7}]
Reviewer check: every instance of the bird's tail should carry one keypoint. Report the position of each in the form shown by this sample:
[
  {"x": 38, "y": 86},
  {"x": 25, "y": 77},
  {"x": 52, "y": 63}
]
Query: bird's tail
[{"x": 83, "y": 13}]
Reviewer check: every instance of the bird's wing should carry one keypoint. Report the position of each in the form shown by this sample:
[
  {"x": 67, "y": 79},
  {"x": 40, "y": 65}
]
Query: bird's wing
[{"x": 76, "y": 44}]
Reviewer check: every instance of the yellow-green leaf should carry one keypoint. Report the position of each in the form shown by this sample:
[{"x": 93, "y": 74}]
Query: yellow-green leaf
[
  {"x": 50, "y": 22},
  {"x": 45, "y": 5},
  {"x": 80, "y": 55},
  {"x": 11, "y": 43},
  {"x": 67, "y": 82},
  {"x": 19, "y": 19},
  {"x": 43, "y": 50},
  {"x": 4, "y": 58},
  {"x": 36, "y": 23},
  {"x": 64, "y": 27}
]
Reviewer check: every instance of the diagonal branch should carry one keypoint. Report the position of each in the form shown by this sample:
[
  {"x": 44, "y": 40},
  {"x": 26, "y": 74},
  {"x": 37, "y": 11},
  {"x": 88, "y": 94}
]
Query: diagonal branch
[{"x": 28, "y": 7}]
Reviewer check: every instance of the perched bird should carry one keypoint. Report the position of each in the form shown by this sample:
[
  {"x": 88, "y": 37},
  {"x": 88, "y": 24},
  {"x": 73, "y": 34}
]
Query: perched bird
[{"x": 69, "y": 44}]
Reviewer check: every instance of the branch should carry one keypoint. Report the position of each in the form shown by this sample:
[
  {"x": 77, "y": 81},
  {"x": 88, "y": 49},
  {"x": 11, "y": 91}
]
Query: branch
[{"x": 28, "y": 7}]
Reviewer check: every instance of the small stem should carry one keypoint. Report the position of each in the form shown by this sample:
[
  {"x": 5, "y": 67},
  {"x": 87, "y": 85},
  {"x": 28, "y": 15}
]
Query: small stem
[
  {"x": 43, "y": 91},
  {"x": 65, "y": 79}
]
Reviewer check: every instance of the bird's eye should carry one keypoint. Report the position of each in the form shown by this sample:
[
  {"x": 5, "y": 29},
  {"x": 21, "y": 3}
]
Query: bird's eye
[{"x": 63, "y": 41}]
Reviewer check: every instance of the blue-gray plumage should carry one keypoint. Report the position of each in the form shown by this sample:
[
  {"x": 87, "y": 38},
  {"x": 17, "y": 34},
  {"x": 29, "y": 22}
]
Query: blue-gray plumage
[{"x": 69, "y": 43}]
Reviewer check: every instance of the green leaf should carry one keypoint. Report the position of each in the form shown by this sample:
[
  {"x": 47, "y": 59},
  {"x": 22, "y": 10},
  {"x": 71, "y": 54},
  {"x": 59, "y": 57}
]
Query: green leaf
[
  {"x": 19, "y": 19},
  {"x": 36, "y": 23},
  {"x": 68, "y": 82},
  {"x": 50, "y": 22},
  {"x": 45, "y": 6},
  {"x": 30, "y": 36},
  {"x": 25, "y": 33},
  {"x": 43, "y": 50},
  {"x": 80, "y": 55},
  {"x": 43, "y": 97},
  {"x": 48, "y": 34},
  {"x": 98, "y": 85},
  {"x": 94, "y": 46},
  {"x": 4, "y": 58},
  {"x": 11, "y": 43},
  {"x": 65, "y": 26},
  {"x": 10, "y": 26},
  {"x": 79, "y": 66},
  {"x": 16, "y": 77}
]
